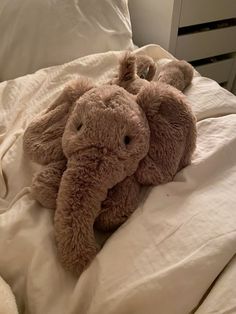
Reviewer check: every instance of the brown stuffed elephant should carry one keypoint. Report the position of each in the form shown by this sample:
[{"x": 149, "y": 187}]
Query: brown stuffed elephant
[{"x": 172, "y": 141}]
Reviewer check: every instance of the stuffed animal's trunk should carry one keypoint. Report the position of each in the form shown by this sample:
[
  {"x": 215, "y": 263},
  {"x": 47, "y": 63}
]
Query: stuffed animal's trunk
[{"x": 84, "y": 186}]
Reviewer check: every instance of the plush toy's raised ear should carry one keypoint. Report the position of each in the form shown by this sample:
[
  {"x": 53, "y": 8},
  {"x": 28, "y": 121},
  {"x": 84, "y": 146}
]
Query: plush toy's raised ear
[
  {"x": 42, "y": 138},
  {"x": 172, "y": 133}
]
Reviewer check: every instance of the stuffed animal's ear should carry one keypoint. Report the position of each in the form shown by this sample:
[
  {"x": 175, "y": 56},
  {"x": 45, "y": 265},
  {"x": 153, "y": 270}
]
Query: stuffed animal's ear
[
  {"x": 172, "y": 133},
  {"x": 176, "y": 73},
  {"x": 42, "y": 138}
]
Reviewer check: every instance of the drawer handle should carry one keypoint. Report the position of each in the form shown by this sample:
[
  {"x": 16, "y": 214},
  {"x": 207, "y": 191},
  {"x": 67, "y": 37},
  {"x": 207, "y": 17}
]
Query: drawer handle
[{"x": 206, "y": 26}]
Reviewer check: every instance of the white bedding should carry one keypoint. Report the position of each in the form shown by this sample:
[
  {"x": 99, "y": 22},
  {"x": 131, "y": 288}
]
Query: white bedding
[
  {"x": 7, "y": 299},
  {"x": 166, "y": 256},
  {"x": 38, "y": 34}
]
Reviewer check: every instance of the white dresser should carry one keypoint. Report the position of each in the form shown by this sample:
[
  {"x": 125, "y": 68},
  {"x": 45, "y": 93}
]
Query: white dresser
[{"x": 202, "y": 32}]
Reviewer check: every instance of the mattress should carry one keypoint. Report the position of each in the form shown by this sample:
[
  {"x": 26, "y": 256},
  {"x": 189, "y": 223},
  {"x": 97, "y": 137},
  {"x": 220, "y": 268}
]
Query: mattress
[{"x": 176, "y": 252}]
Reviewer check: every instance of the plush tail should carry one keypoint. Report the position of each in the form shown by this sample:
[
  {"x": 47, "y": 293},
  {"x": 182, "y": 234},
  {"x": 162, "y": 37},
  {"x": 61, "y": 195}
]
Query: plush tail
[
  {"x": 127, "y": 69},
  {"x": 146, "y": 67}
]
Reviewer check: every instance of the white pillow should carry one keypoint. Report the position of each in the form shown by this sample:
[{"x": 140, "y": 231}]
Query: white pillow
[{"x": 40, "y": 33}]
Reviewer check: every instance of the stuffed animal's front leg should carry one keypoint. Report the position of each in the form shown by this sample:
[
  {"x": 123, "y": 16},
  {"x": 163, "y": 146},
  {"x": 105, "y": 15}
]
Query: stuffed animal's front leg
[
  {"x": 46, "y": 183},
  {"x": 120, "y": 203}
]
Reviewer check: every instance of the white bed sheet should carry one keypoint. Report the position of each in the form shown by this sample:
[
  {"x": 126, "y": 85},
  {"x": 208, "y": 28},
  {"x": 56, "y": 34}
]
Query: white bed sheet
[
  {"x": 7, "y": 299},
  {"x": 166, "y": 256},
  {"x": 38, "y": 34}
]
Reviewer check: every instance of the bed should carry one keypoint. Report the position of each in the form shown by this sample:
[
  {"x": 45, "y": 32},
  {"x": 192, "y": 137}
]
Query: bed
[{"x": 176, "y": 253}]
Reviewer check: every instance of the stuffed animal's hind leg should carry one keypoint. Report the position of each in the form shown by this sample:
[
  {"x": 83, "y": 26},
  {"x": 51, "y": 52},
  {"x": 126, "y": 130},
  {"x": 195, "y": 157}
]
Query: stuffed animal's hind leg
[
  {"x": 120, "y": 203},
  {"x": 176, "y": 73},
  {"x": 46, "y": 183}
]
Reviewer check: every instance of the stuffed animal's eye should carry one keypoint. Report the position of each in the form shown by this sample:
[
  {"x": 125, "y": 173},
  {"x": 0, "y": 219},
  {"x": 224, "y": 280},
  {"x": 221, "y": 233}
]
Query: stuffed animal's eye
[
  {"x": 79, "y": 127},
  {"x": 127, "y": 140}
]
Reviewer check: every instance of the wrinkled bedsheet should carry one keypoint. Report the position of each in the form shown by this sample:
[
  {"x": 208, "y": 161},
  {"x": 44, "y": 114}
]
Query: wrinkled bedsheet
[
  {"x": 7, "y": 299},
  {"x": 174, "y": 255}
]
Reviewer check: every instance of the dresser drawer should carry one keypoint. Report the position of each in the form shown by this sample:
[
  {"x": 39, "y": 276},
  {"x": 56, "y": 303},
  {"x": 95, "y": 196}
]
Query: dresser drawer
[
  {"x": 206, "y": 44},
  {"x": 219, "y": 71},
  {"x": 202, "y": 11}
]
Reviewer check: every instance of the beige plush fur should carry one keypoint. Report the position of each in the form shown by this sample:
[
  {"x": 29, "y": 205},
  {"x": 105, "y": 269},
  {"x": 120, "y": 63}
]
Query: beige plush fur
[{"x": 108, "y": 149}]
